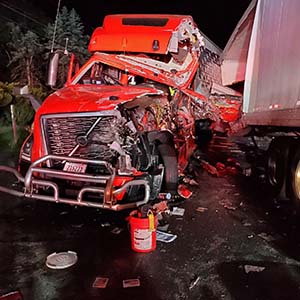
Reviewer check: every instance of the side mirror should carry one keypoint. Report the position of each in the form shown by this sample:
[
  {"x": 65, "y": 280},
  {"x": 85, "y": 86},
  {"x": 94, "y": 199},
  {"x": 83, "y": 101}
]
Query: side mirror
[{"x": 53, "y": 69}]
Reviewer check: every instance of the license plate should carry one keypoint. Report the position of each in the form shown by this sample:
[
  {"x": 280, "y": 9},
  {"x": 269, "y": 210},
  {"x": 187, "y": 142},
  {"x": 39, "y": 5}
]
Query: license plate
[{"x": 74, "y": 167}]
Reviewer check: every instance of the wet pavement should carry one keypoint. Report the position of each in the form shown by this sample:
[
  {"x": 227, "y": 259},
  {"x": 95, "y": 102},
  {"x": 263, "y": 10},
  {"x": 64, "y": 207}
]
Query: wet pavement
[{"x": 232, "y": 243}]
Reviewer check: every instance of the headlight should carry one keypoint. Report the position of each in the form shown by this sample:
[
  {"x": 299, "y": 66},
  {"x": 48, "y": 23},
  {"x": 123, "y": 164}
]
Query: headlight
[{"x": 25, "y": 153}]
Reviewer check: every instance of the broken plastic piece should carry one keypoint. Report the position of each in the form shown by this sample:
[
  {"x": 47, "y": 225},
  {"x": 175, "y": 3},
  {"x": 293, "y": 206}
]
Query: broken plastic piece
[
  {"x": 165, "y": 237},
  {"x": 177, "y": 211},
  {"x": 184, "y": 192},
  {"x": 100, "y": 282},
  {"x": 131, "y": 283},
  {"x": 61, "y": 260},
  {"x": 250, "y": 268}
]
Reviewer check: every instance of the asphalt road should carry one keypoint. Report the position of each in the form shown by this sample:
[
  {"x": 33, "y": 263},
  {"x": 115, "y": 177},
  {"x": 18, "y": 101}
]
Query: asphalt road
[{"x": 232, "y": 243}]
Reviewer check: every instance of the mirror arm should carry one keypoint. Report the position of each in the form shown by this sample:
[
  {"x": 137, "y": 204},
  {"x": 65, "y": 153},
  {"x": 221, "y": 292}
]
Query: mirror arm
[{"x": 71, "y": 65}]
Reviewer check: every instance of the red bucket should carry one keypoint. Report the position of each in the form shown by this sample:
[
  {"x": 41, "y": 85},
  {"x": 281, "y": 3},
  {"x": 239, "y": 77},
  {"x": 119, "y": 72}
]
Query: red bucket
[{"x": 143, "y": 232}]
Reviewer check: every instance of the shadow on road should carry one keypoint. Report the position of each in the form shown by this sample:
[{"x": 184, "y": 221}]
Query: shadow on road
[{"x": 276, "y": 282}]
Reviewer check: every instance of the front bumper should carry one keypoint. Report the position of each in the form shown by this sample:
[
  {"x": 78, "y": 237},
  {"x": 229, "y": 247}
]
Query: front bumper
[{"x": 38, "y": 177}]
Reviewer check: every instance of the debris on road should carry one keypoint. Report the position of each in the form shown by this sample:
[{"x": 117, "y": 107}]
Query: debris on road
[
  {"x": 100, "y": 282},
  {"x": 165, "y": 237},
  {"x": 209, "y": 168},
  {"x": 184, "y": 192},
  {"x": 177, "y": 211},
  {"x": 201, "y": 209},
  {"x": 77, "y": 225},
  {"x": 227, "y": 204},
  {"x": 194, "y": 282},
  {"x": 117, "y": 230},
  {"x": 246, "y": 224},
  {"x": 160, "y": 207},
  {"x": 12, "y": 296},
  {"x": 163, "y": 227},
  {"x": 251, "y": 268},
  {"x": 221, "y": 169},
  {"x": 105, "y": 224},
  {"x": 131, "y": 283},
  {"x": 190, "y": 181},
  {"x": 266, "y": 237},
  {"x": 61, "y": 260}
]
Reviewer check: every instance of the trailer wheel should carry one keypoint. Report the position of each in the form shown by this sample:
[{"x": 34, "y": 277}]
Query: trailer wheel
[
  {"x": 294, "y": 179},
  {"x": 276, "y": 169}
]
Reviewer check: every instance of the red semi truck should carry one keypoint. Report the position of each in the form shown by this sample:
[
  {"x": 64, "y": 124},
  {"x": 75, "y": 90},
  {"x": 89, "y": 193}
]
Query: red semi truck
[{"x": 121, "y": 131}]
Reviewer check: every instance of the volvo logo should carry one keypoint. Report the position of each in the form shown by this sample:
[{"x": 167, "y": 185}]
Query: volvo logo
[{"x": 82, "y": 140}]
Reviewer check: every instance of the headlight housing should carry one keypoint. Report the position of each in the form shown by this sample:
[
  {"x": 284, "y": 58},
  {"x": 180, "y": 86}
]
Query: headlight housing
[{"x": 25, "y": 153}]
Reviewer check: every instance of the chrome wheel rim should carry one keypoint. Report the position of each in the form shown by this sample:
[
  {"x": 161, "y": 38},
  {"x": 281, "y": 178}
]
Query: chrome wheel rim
[{"x": 297, "y": 181}]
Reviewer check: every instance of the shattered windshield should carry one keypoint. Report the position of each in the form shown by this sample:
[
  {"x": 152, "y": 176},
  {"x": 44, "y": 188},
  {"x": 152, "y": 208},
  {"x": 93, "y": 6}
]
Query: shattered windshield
[{"x": 98, "y": 73}]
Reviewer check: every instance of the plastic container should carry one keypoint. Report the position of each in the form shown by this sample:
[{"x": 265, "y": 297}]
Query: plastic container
[{"x": 143, "y": 232}]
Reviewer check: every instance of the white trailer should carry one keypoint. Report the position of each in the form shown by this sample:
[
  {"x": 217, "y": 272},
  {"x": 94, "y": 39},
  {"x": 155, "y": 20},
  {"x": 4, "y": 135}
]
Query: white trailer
[{"x": 262, "y": 57}]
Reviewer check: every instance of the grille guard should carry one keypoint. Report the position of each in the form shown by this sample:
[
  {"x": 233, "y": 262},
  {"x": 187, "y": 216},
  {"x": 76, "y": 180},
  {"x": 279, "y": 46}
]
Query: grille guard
[{"x": 30, "y": 182}]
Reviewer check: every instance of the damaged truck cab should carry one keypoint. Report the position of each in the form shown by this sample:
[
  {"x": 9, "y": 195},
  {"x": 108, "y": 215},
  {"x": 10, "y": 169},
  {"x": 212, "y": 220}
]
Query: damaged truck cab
[{"x": 122, "y": 129}]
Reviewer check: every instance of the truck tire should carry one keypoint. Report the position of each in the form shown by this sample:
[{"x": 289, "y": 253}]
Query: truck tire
[
  {"x": 169, "y": 159},
  {"x": 294, "y": 178},
  {"x": 276, "y": 169}
]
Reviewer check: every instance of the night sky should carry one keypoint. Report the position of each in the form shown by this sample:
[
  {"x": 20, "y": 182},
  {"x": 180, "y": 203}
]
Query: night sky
[{"x": 216, "y": 19}]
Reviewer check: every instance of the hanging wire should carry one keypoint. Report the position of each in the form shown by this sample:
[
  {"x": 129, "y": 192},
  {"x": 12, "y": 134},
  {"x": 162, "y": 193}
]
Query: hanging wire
[{"x": 55, "y": 26}]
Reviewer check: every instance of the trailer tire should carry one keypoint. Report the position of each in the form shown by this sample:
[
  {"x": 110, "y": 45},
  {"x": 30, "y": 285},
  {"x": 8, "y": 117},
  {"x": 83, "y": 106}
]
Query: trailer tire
[
  {"x": 276, "y": 169},
  {"x": 294, "y": 178}
]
